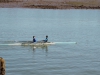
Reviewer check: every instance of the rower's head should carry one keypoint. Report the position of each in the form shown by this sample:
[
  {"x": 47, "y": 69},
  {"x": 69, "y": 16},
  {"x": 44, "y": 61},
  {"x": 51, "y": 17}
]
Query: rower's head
[
  {"x": 46, "y": 36},
  {"x": 33, "y": 36}
]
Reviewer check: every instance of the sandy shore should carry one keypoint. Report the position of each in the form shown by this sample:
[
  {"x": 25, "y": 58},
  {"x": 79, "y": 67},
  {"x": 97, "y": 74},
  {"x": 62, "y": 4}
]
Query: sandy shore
[{"x": 50, "y": 5}]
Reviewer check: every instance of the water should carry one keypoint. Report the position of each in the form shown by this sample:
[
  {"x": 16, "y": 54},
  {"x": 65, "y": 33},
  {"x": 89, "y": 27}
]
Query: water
[{"x": 81, "y": 26}]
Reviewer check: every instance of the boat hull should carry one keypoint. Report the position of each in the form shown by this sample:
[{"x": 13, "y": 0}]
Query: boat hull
[{"x": 34, "y": 44}]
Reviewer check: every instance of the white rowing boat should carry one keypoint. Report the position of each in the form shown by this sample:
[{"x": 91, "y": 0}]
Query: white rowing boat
[
  {"x": 37, "y": 43},
  {"x": 46, "y": 43}
]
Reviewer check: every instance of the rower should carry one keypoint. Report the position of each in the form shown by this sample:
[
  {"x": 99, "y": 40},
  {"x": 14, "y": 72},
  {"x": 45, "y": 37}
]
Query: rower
[
  {"x": 46, "y": 40},
  {"x": 34, "y": 40}
]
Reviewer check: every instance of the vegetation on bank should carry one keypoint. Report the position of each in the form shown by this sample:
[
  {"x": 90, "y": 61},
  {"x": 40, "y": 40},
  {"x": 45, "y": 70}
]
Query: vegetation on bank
[{"x": 91, "y": 4}]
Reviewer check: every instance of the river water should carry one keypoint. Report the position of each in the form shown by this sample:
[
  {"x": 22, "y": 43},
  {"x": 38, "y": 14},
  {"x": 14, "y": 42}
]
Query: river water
[{"x": 74, "y": 25}]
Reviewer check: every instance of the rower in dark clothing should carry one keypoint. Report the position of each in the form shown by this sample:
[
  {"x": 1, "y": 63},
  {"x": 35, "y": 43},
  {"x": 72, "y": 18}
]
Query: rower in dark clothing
[
  {"x": 43, "y": 41},
  {"x": 34, "y": 40},
  {"x": 46, "y": 40}
]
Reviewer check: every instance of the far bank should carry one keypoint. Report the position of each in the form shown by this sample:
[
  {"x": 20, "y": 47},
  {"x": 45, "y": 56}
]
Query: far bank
[{"x": 50, "y": 5}]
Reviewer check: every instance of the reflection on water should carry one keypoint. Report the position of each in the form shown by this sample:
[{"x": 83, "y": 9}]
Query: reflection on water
[
  {"x": 43, "y": 47},
  {"x": 37, "y": 47}
]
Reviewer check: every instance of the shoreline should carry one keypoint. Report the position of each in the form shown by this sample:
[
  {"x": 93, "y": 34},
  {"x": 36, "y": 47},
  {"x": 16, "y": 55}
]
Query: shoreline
[
  {"x": 47, "y": 5},
  {"x": 60, "y": 7}
]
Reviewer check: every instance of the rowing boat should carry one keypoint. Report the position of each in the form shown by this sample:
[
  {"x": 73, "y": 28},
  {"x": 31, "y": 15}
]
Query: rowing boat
[
  {"x": 46, "y": 43},
  {"x": 26, "y": 43}
]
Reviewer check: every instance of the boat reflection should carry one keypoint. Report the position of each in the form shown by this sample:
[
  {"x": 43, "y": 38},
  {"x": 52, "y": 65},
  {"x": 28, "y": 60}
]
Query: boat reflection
[
  {"x": 38, "y": 47},
  {"x": 44, "y": 47}
]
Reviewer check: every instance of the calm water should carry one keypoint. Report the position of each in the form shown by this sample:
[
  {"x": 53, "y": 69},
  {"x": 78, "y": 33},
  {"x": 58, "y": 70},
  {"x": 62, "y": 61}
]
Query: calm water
[{"x": 81, "y": 26}]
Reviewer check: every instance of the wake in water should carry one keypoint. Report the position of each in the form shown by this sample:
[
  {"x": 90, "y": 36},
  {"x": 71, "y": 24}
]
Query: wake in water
[
  {"x": 14, "y": 42},
  {"x": 9, "y": 43}
]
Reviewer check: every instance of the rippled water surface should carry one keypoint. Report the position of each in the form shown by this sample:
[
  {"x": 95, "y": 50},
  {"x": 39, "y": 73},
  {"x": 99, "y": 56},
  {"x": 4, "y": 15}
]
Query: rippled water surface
[{"x": 81, "y": 26}]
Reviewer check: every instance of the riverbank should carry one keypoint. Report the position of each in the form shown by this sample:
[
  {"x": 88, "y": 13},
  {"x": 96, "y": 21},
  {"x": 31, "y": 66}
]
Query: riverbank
[{"x": 51, "y": 5}]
